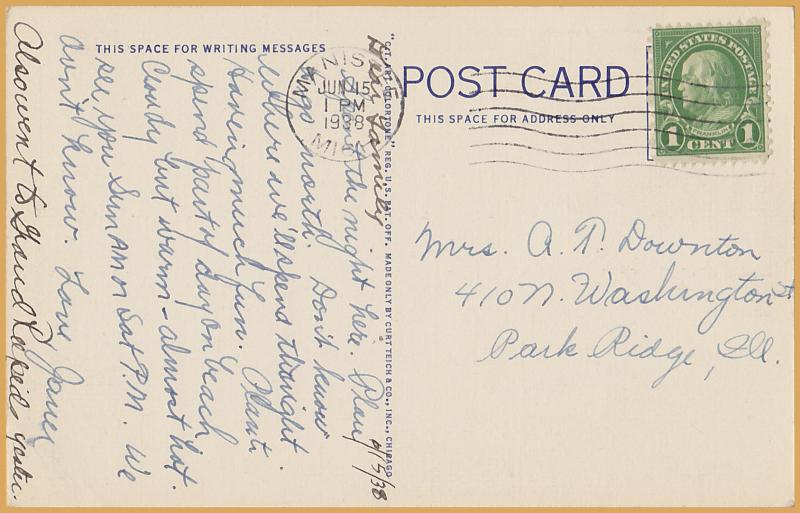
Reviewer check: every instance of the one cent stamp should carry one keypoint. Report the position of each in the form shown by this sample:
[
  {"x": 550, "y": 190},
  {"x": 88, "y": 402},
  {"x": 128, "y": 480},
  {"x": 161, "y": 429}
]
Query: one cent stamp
[
  {"x": 710, "y": 91},
  {"x": 350, "y": 103}
]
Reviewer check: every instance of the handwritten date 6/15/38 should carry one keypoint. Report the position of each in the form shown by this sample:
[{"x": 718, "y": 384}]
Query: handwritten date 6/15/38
[{"x": 378, "y": 473}]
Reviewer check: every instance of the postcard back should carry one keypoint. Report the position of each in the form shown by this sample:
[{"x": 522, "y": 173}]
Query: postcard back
[{"x": 351, "y": 256}]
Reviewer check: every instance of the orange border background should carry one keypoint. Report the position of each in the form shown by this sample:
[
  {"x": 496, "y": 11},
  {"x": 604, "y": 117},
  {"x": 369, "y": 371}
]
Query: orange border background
[{"x": 440, "y": 3}]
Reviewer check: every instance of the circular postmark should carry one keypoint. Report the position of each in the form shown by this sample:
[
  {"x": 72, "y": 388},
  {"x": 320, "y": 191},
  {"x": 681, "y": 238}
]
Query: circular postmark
[{"x": 347, "y": 104}]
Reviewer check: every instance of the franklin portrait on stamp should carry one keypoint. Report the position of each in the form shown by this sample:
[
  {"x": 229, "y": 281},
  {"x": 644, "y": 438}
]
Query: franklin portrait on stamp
[
  {"x": 705, "y": 88},
  {"x": 709, "y": 91}
]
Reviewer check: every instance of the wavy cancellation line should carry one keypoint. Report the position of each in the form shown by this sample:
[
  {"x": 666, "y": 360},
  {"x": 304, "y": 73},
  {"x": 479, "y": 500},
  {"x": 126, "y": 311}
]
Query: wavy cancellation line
[
  {"x": 613, "y": 167},
  {"x": 607, "y": 114},
  {"x": 660, "y": 78},
  {"x": 602, "y": 98},
  {"x": 554, "y": 152},
  {"x": 568, "y": 136}
]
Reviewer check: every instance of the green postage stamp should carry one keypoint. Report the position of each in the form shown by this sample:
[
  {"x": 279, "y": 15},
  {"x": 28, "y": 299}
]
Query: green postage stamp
[{"x": 709, "y": 87}]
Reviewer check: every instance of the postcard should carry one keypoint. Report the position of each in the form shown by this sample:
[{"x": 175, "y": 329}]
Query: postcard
[{"x": 399, "y": 256}]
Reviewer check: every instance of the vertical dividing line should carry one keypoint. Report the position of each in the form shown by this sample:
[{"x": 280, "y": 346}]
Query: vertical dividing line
[{"x": 647, "y": 99}]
